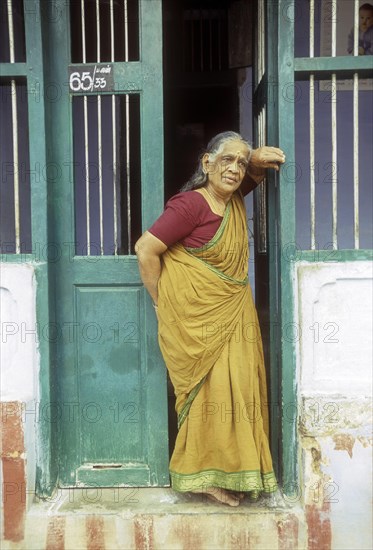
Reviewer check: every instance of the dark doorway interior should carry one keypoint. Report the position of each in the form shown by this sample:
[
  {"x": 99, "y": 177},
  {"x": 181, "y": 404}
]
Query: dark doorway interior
[
  {"x": 200, "y": 90},
  {"x": 200, "y": 95}
]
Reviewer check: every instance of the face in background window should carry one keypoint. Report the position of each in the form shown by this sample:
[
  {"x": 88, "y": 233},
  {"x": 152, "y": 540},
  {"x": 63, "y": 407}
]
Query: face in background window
[{"x": 365, "y": 19}]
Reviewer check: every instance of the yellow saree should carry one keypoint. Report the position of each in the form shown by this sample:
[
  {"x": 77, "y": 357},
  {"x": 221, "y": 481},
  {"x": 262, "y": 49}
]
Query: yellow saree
[{"x": 210, "y": 339}]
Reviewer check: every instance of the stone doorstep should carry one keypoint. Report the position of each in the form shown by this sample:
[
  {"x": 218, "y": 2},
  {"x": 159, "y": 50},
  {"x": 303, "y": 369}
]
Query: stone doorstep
[
  {"x": 145, "y": 500},
  {"x": 153, "y": 518}
]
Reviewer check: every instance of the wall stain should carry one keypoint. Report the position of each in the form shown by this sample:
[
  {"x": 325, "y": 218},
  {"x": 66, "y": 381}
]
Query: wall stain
[
  {"x": 288, "y": 532},
  {"x": 319, "y": 527},
  {"x": 365, "y": 441},
  {"x": 316, "y": 461},
  {"x": 344, "y": 442}
]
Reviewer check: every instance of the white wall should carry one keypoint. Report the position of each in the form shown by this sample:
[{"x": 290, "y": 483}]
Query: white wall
[
  {"x": 19, "y": 349},
  {"x": 335, "y": 383},
  {"x": 19, "y": 358}
]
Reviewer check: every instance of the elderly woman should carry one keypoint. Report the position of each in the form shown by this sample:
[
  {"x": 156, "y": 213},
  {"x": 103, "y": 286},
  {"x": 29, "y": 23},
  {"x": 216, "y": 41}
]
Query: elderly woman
[{"x": 194, "y": 263}]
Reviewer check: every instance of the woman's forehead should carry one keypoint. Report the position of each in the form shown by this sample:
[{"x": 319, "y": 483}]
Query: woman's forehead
[{"x": 235, "y": 147}]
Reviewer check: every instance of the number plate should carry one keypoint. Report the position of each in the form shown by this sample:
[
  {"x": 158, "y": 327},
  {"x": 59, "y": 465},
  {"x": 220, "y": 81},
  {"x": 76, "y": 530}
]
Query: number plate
[{"x": 98, "y": 77}]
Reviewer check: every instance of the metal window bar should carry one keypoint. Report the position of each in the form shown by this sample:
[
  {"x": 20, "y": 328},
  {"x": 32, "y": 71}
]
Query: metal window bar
[
  {"x": 99, "y": 136},
  {"x": 356, "y": 159},
  {"x": 184, "y": 42},
  {"x": 356, "y": 128},
  {"x": 312, "y": 28},
  {"x": 263, "y": 34},
  {"x": 128, "y": 177},
  {"x": 334, "y": 128},
  {"x": 86, "y": 138},
  {"x": 312, "y": 127},
  {"x": 257, "y": 42},
  {"x": 11, "y": 30},
  {"x": 334, "y": 160},
  {"x": 261, "y": 40},
  {"x": 114, "y": 137},
  {"x": 125, "y": 30},
  {"x": 14, "y": 132},
  {"x": 201, "y": 39},
  {"x": 219, "y": 43},
  {"x": 192, "y": 43},
  {"x": 210, "y": 42}
]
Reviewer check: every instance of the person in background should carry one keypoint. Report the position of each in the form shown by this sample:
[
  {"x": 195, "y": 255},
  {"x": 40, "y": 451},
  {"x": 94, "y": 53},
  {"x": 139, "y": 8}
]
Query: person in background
[
  {"x": 365, "y": 31},
  {"x": 194, "y": 263}
]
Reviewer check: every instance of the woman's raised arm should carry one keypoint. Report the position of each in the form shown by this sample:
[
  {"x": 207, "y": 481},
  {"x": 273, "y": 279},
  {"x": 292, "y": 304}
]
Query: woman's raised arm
[{"x": 261, "y": 159}]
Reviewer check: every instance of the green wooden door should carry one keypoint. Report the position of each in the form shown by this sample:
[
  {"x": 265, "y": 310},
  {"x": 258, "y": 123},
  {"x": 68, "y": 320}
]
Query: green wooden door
[
  {"x": 275, "y": 223},
  {"x": 105, "y": 188}
]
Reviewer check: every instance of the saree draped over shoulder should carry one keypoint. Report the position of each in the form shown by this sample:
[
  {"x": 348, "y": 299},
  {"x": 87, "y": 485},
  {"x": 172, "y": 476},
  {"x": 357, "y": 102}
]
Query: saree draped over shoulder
[{"x": 210, "y": 339}]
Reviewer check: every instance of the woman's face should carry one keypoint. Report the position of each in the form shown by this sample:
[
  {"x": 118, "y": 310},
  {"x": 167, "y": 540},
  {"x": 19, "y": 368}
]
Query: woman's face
[{"x": 226, "y": 172}]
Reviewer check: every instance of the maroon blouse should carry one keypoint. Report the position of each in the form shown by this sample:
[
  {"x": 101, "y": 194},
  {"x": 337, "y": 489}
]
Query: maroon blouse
[{"x": 187, "y": 219}]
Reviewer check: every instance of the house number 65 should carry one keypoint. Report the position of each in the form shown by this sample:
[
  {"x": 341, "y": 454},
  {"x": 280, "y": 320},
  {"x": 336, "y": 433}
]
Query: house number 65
[{"x": 84, "y": 82}]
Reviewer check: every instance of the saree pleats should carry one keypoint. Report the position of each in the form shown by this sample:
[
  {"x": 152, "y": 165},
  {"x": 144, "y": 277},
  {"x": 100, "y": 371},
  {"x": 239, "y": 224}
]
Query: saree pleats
[{"x": 210, "y": 339}]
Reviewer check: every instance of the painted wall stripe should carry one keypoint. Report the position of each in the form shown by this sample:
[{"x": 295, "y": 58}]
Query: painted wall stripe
[
  {"x": 56, "y": 533},
  {"x": 95, "y": 533}
]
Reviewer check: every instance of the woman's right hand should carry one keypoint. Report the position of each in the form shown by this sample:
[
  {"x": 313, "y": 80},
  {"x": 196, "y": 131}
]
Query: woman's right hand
[
  {"x": 266, "y": 157},
  {"x": 149, "y": 250}
]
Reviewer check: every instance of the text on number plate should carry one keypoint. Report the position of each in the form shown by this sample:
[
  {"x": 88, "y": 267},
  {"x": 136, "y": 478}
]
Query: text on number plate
[{"x": 91, "y": 78}]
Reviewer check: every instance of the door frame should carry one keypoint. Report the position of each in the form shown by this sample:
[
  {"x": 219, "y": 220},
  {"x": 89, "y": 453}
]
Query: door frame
[{"x": 277, "y": 60}]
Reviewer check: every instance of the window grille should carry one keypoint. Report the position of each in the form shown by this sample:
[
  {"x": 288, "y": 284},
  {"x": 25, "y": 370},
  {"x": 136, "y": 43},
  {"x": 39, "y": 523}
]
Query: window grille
[
  {"x": 12, "y": 32},
  {"x": 104, "y": 30},
  {"x": 106, "y": 130},
  {"x": 106, "y": 133},
  {"x": 333, "y": 139},
  {"x": 15, "y": 200},
  {"x": 195, "y": 39}
]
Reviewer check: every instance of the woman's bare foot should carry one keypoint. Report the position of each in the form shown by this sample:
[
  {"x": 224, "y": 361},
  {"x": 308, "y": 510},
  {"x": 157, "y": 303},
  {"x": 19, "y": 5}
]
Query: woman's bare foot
[
  {"x": 217, "y": 494},
  {"x": 240, "y": 495}
]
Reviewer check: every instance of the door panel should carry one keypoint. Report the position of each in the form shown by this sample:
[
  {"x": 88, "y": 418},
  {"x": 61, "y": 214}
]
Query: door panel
[
  {"x": 110, "y": 376},
  {"x": 109, "y": 359}
]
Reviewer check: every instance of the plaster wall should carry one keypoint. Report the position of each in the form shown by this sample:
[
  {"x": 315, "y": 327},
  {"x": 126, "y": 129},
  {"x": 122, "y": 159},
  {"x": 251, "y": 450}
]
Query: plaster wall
[
  {"x": 19, "y": 350},
  {"x": 335, "y": 382},
  {"x": 19, "y": 360}
]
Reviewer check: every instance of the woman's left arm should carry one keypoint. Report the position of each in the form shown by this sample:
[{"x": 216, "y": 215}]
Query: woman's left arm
[{"x": 261, "y": 159}]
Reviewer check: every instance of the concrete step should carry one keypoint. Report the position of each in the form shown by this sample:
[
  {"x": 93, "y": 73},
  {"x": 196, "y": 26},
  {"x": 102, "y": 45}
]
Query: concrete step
[{"x": 147, "y": 519}]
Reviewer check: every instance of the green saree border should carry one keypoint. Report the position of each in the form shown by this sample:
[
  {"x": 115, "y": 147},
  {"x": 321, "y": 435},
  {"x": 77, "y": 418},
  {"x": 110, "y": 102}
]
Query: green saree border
[
  {"x": 246, "y": 481},
  {"x": 188, "y": 403},
  {"x": 216, "y": 238},
  {"x": 222, "y": 275}
]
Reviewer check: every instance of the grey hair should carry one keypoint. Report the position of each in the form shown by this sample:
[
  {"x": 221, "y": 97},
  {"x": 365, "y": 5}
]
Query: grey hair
[{"x": 215, "y": 145}]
